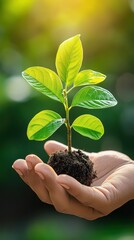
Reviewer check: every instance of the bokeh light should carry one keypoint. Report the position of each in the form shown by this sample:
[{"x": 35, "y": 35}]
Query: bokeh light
[{"x": 17, "y": 89}]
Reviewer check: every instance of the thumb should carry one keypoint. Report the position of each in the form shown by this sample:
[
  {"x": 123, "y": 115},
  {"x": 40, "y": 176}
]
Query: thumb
[{"x": 53, "y": 146}]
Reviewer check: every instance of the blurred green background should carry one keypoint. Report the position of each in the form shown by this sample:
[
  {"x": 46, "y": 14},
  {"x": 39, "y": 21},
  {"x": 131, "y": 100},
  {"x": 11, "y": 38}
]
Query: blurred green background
[{"x": 30, "y": 33}]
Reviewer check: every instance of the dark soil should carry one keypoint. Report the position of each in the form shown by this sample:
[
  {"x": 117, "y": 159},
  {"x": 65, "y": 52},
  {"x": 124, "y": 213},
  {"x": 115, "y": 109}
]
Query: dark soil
[{"x": 75, "y": 164}]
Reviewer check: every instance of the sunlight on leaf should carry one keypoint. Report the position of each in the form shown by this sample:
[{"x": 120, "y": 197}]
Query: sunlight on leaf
[
  {"x": 88, "y": 126},
  {"x": 94, "y": 98},
  {"x": 68, "y": 62},
  {"x": 43, "y": 125},
  {"x": 45, "y": 81},
  {"x": 69, "y": 59},
  {"x": 89, "y": 77}
]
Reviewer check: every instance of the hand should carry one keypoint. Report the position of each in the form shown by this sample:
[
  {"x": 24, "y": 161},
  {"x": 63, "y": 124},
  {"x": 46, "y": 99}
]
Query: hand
[{"x": 113, "y": 187}]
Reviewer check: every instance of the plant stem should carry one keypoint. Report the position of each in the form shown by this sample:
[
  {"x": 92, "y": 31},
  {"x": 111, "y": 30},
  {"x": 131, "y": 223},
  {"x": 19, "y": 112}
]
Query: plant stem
[{"x": 69, "y": 133}]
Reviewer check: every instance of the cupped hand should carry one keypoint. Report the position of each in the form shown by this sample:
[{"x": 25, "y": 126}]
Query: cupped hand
[{"x": 112, "y": 188}]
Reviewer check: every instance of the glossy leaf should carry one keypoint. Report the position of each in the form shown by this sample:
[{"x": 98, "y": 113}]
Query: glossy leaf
[
  {"x": 69, "y": 59},
  {"x": 45, "y": 81},
  {"x": 88, "y": 126},
  {"x": 43, "y": 125},
  {"x": 94, "y": 97},
  {"x": 89, "y": 77}
]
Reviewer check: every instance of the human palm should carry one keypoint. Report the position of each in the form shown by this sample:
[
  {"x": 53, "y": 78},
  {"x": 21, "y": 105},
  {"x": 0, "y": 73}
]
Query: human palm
[{"x": 112, "y": 188}]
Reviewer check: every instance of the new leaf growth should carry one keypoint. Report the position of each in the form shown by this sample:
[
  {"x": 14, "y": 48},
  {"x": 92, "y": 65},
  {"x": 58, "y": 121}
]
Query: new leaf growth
[{"x": 58, "y": 86}]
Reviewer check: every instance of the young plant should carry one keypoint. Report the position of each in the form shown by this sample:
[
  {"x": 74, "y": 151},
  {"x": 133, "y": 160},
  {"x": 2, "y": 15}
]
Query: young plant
[{"x": 58, "y": 86}]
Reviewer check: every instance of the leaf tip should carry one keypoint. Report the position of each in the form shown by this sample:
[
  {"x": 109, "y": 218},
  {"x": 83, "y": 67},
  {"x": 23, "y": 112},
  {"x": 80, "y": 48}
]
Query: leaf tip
[{"x": 78, "y": 35}]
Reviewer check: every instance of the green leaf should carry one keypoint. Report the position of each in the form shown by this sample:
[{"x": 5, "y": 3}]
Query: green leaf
[
  {"x": 69, "y": 59},
  {"x": 43, "y": 125},
  {"x": 94, "y": 98},
  {"x": 88, "y": 126},
  {"x": 45, "y": 81},
  {"x": 89, "y": 77}
]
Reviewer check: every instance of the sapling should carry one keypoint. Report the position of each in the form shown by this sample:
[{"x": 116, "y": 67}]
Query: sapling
[{"x": 58, "y": 86}]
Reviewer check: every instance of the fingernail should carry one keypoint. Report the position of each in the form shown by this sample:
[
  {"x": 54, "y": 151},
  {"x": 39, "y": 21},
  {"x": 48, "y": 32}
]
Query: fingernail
[
  {"x": 64, "y": 185},
  {"x": 40, "y": 175},
  {"x": 18, "y": 171}
]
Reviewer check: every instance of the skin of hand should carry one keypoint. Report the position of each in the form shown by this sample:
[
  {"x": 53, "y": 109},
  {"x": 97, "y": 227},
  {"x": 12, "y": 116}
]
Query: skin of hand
[{"x": 113, "y": 186}]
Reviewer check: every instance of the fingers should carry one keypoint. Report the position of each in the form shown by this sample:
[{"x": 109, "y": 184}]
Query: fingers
[
  {"x": 32, "y": 160},
  {"x": 93, "y": 197},
  {"x": 46, "y": 173},
  {"x": 62, "y": 201},
  {"x": 20, "y": 166},
  {"x": 25, "y": 168},
  {"x": 45, "y": 183},
  {"x": 57, "y": 193}
]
